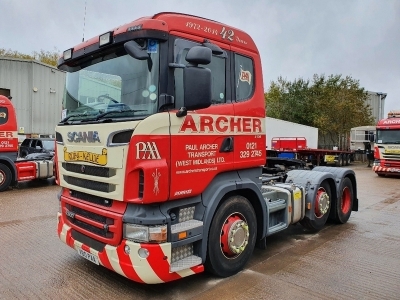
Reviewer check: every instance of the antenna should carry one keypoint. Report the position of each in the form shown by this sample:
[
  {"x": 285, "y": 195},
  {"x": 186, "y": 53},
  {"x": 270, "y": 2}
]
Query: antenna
[{"x": 84, "y": 18}]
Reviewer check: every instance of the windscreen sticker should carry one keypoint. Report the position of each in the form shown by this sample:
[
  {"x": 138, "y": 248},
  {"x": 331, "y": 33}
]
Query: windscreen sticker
[
  {"x": 152, "y": 46},
  {"x": 244, "y": 76}
]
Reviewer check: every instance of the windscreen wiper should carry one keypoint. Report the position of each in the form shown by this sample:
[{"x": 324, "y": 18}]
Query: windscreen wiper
[
  {"x": 117, "y": 111},
  {"x": 63, "y": 121}
]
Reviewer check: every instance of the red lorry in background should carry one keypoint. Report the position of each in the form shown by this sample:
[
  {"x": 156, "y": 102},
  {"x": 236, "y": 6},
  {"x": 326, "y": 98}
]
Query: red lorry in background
[
  {"x": 13, "y": 170},
  {"x": 387, "y": 145},
  {"x": 161, "y": 154}
]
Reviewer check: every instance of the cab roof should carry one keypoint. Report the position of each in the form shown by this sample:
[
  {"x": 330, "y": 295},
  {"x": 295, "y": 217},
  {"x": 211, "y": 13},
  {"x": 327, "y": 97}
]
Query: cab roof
[{"x": 187, "y": 24}]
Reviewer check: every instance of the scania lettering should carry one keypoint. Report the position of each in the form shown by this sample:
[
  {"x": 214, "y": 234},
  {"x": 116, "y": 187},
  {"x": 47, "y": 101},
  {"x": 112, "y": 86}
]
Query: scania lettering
[{"x": 178, "y": 105}]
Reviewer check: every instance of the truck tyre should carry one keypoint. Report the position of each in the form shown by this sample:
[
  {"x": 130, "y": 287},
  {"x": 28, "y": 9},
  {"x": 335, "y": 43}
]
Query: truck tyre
[
  {"x": 232, "y": 237},
  {"x": 5, "y": 177},
  {"x": 322, "y": 207},
  {"x": 345, "y": 202}
]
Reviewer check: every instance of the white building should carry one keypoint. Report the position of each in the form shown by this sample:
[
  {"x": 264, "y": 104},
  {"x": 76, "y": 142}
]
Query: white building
[{"x": 36, "y": 90}]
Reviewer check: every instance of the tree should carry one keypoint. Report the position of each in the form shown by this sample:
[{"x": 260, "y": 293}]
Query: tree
[
  {"x": 47, "y": 57},
  {"x": 333, "y": 104}
]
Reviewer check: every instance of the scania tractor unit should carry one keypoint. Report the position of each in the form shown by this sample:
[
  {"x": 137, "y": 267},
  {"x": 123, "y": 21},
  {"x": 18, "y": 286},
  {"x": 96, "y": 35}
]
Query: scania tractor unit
[
  {"x": 161, "y": 151},
  {"x": 387, "y": 145},
  {"x": 13, "y": 169}
]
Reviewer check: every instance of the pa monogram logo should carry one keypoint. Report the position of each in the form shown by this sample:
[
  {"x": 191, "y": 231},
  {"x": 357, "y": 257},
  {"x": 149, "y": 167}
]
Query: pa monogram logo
[{"x": 147, "y": 150}]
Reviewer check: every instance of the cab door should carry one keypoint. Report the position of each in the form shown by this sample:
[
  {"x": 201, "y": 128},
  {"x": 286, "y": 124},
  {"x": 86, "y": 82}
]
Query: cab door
[{"x": 201, "y": 142}]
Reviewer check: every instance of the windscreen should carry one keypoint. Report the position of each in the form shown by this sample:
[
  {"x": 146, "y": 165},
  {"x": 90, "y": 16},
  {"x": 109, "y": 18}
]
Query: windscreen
[
  {"x": 48, "y": 145},
  {"x": 113, "y": 87},
  {"x": 388, "y": 136}
]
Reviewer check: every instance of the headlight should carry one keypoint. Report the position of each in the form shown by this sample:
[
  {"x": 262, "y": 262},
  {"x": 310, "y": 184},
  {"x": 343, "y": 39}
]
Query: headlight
[{"x": 148, "y": 234}]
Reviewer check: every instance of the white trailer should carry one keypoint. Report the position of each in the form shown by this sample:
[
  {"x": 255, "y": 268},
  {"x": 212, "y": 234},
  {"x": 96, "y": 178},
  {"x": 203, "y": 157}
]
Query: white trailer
[
  {"x": 276, "y": 128},
  {"x": 361, "y": 136}
]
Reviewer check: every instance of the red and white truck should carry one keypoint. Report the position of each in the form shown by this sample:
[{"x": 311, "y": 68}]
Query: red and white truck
[
  {"x": 387, "y": 145},
  {"x": 13, "y": 170},
  {"x": 160, "y": 156}
]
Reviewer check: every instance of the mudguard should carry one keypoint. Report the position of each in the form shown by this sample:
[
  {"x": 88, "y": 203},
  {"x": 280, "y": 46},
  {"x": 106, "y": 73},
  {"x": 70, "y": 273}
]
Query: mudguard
[
  {"x": 222, "y": 185},
  {"x": 311, "y": 181},
  {"x": 339, "y": 174}
]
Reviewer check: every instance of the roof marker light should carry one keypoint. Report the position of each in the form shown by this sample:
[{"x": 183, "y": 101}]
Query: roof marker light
[
  {"x": 105, "y": 38},
  {"x": 67, "y": 54}
]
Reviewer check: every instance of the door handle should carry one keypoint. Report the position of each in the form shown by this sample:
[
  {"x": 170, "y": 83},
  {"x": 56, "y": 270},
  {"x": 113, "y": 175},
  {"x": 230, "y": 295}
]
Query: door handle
[{"x": 227, "y": 144}]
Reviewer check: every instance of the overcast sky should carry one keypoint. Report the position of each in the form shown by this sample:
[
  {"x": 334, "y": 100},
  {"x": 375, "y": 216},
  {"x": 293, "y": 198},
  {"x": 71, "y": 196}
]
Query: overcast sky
[{"x": 296, "y": 38}]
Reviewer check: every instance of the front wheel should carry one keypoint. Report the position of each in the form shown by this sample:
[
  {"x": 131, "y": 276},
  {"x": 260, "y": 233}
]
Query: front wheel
[
  {"x": 5, "y": 177},
  {"x": 232, "y": 237},
  {"x": 322, "y": 206}
]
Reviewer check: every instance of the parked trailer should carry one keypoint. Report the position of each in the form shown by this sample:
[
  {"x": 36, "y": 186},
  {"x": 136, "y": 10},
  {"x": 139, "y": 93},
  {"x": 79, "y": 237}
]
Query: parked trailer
[
  {"x": 297, "y": 147},
  {"x": 13, "y": 170}
]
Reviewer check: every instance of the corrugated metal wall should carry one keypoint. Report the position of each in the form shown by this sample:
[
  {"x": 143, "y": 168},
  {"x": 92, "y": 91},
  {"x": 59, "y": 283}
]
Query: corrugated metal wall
[
  {"x": 377, "y": 104},
  {"x": 37, "y": 91}
]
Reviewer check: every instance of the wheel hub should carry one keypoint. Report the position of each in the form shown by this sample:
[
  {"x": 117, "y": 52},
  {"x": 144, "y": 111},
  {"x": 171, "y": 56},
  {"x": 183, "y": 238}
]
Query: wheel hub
[
  {"x": 346, "y": 200},
  {"x": 322, "y": 202},
  {"x": 234, "y": 236},
  {"x": 2, "y": 177}
]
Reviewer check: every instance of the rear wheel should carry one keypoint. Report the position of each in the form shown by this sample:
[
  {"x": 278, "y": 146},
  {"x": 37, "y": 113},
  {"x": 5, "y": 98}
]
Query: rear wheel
[
  {"x": 322, "y": 206},
  {"x": 232, "y": 237},
  {"x": 5, "y": 177},
  {"x": 345, "y": 202}
]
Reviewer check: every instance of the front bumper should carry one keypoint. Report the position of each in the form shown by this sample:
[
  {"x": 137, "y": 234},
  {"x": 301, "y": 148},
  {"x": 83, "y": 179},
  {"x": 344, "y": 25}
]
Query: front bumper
[
  {"x": 153, "y": 269},
  {"x": 386, "y": 170}
]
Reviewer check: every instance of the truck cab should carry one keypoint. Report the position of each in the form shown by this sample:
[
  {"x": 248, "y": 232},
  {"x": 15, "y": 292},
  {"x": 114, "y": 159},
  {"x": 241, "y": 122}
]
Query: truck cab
[{"x": 387, "y": 145}]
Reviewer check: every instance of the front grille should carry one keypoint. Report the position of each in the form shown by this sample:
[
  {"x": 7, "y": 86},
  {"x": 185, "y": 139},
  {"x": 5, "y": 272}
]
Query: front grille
[
  {"x": 73, "y": 212},
  {"x": 392, "y": 163},
  {"x": 91, "y": 198},
  {"x": 90, "y": 215},
  {"x": 390, "y": 156},
  {"x": 90, "y": 184},
  {"x": 93, "y": 229},
  {"x": 141, "y": 183},
  {"x": 89, "y": 170}
]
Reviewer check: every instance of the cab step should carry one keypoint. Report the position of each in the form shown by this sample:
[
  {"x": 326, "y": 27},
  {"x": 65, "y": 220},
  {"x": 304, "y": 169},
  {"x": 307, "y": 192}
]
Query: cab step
[{"x": 185, "y": 263}]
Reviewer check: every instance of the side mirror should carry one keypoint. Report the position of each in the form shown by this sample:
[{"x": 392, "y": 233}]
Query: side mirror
[
  {"x": 197, "y": 80},
  {"x": 134, "y": 50},
  {"x": 371, "y": 137},
  {"x": 199, "y": 55}
]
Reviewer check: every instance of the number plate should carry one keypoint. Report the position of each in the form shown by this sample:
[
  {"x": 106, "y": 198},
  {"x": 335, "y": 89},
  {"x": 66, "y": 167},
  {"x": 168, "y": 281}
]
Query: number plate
[{"x": 88, "y": 256}]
